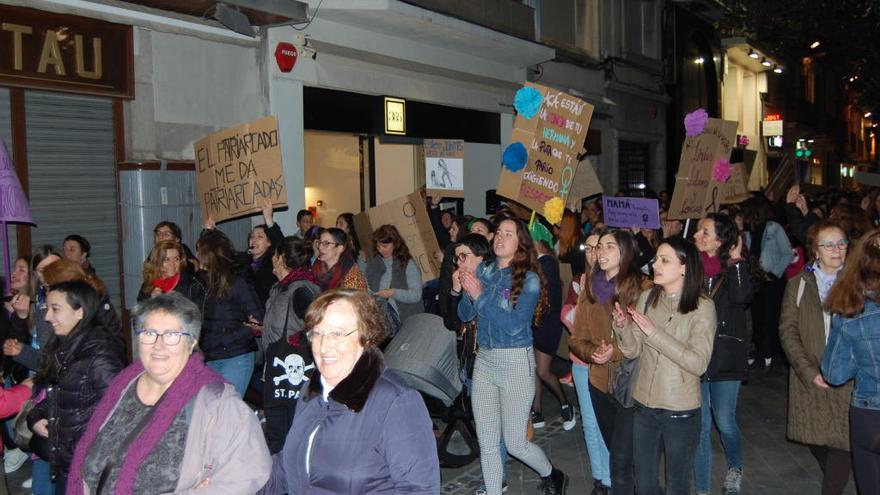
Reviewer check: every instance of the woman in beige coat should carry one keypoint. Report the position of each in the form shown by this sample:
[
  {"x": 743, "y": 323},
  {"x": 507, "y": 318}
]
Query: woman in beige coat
[{"x": 818, "y": 415}]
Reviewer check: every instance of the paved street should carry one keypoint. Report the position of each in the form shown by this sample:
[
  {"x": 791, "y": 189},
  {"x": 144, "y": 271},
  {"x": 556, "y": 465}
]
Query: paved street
[{"x": 771, "y": 464}]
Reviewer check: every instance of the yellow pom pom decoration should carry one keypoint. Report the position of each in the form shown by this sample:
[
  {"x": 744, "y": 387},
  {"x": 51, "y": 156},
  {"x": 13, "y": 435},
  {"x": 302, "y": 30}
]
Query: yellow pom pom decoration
[{"x": 553, "y": 209}]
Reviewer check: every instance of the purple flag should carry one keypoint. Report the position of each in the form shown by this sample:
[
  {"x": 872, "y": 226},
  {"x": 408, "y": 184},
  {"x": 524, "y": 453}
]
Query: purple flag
[
  {"x": 631, "y": 212},
  {"x": 13, "y": 203}
]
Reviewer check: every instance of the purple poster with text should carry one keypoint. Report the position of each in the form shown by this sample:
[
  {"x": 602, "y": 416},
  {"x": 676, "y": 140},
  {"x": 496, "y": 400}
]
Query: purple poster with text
[{"x": 631, "y": 212}]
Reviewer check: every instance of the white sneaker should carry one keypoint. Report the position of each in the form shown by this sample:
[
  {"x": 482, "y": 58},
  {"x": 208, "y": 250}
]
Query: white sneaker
[
  {"x": 27, "y": 483},
  {"x": 13, "y": 460}
]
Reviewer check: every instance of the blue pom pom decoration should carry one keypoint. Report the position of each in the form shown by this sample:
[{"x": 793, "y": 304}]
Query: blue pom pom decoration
[
  {"x": 527, "y": 101},
  {"x": 515, "y": 157}
]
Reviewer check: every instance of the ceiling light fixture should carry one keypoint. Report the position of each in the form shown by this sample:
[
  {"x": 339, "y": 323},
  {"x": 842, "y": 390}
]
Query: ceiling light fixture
[
  {"x": 753, "y": 54},
  {"x": 815, "y": 44},
  {"x": 765, "y": 62}
]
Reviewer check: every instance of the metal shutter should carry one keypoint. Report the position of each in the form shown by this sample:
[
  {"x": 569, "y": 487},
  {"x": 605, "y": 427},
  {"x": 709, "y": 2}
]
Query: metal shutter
[{"x": 72, "y": 176}]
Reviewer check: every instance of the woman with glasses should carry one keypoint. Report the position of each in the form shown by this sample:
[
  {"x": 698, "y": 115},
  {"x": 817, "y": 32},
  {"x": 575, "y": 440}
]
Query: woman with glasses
[
  {"x": 358, "y": 427},
  {"x": 818, "y": 414},
  {"x": 336, "y": 267},
  {"x": 392, "y": 273},
  {"x": 231, "y": 312},
  {"x": 507, "y": 298},
  {"x": 81, "y": 358},
  {"x": 168, "y": 423}
]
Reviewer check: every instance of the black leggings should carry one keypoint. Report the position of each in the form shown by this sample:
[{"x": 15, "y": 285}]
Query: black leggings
[
  {"x": 864, "y": 434},
  {"x": 836, "y": 465},
  {"x": 766, "y": 307},
  {"x": 616, "y": 424}
]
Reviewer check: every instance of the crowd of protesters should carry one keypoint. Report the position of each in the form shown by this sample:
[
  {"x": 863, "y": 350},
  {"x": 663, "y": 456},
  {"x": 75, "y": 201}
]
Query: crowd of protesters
[{"x": 260, "y": 370}]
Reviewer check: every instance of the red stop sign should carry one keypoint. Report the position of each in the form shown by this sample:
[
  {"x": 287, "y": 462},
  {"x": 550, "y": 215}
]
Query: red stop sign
[{"x": 285, "y": 56}]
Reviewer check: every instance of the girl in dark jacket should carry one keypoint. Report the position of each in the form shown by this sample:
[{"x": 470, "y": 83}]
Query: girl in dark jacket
[
  {"x": 81, "y": 359},
  {"x": 231, "y": 308},
  {"x": 261, "y": 244},
  {"x": 729, "y": 283}
]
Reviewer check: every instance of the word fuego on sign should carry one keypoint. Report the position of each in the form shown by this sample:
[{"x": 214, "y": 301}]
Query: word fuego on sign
[
  {"x": 548, "y": 134},
  {"x": 238, "y": 167},
  {"x": 285, "y": 56},
  {"x": 65, "y": 53},
  {"x": 444, "y": 168},
  {"x": 395, "y": 116},
  {"x": 697, "y": 191},
  {"x": 631, "y": 212},
  {"x": 408, "y": 214}
]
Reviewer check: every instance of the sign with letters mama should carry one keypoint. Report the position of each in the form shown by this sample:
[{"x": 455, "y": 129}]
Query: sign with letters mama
[
  {"x": 631, "y": 212},
  {"x": 237, "y": 167}
]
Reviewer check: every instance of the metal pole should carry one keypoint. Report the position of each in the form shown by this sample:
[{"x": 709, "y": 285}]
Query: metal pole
[{"x": 7, "y": 275}]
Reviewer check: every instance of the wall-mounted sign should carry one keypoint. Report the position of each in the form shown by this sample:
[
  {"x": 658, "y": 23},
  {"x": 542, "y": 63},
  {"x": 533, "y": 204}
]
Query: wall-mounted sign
[
  {"x": 285, "y": 56},
  {"x": 395, "y": 116},
  {"x": 772, "y": 127},
  {"x": 773, "y": 117},
  {"x": 65, "y": 53}
]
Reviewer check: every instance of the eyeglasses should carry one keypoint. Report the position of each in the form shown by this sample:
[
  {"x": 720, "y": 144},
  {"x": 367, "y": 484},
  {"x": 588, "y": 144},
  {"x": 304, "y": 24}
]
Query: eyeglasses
[
  {"x": 163, "y": 234},
  {"x": 588, "y": 248},
  {"x": 830, "y": 245},
  {"x": 150, "y": 337},
  {"x": 461, "y": 257},
  {"x": 332, "y": 337},
  {"x": 328, "y": 243}
]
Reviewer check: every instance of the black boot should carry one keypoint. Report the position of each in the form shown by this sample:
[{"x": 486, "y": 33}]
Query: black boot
[
  {"x": 555, "y": 484},
  {"x": 600, "y": 489}
]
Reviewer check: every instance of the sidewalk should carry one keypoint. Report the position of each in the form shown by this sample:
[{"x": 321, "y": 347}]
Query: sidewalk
[{"x": 771, "y": 464}]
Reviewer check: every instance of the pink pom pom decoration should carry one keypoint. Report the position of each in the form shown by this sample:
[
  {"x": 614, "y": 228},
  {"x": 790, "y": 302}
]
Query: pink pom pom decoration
[
  {"x": 721, "y": 171},
  {"x": 695, "y": 122}
]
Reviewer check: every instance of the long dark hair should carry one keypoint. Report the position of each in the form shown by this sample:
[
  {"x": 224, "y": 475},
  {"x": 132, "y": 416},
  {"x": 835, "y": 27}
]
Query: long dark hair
[
  {"x": 525, "y": 260},
  {"x": 294, "y": 252},
  {"x": 217, "y": 254},
  {"x": 353, "y": 240},
  {"x": 388, "y": 234},
  {"x": 628, "y": 283},
  {"x": 726, "y": 232},
  {"x": 688, "y": 256},
  {"x": 79, "y": 295}
]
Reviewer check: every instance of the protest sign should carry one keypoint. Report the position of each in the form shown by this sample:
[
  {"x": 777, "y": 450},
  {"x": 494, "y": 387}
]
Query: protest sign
[
  {"x": 631, "y": 212},
  {"x": 697, "y": 190},
  {"x": 540, "y": 162},
  {"x": 735, "y": 190},
  {"x": 408, "y": 214},
  {"x": 444, "y": 168},
  {"x": 239, "y": 166},
  {"x": 585, "y": 184}
]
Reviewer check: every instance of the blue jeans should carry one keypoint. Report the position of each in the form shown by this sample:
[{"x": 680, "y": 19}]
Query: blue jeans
[
  {"x": 41, "y": 477},
  {"x": 721, "y": 398},
  {"x": 600, "y": 461},
  {"x": 675, "y": 432},
  {"x": 236, "y": 370}
]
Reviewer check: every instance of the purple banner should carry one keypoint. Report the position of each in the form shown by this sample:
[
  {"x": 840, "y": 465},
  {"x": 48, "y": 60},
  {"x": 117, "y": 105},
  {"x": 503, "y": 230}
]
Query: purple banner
[{"x": 631, "y": 212}]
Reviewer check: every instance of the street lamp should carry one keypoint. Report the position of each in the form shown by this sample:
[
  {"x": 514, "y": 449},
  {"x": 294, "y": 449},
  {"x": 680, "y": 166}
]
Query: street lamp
[{"x": 815, "y": 45}]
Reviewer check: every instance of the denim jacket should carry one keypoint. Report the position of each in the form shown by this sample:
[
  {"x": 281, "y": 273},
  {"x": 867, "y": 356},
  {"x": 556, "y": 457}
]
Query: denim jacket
[
  {"x": 776, "y": 252},
  {"x": 500, "y": 324},
  {"x": 853, "y": 351}
]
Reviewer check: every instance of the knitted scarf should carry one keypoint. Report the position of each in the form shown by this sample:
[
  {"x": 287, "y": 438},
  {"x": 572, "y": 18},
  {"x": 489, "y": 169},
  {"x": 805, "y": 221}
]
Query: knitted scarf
[
  {"x": 331, "y": 278},
  {"x": 711, "y": 265},
  {"x": 299, "y": 273},
  {"x": 167, "y": 284},
  {"x": 194, "y": 376}
]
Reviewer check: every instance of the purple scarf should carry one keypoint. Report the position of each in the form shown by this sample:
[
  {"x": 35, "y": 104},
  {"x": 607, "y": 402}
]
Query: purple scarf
[
  {"x": 603, "y": 289},
  {"x": 192, "y": 378}
]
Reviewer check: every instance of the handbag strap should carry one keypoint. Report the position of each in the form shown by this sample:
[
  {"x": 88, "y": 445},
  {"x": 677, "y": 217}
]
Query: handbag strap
[{"x": 114, "y": 459}]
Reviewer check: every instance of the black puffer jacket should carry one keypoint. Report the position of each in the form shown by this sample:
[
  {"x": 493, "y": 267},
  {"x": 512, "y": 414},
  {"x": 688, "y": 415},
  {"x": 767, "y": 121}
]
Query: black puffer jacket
[
  {"x": 86, "y": 362},
  {"x": 261, "y": 271},
  {"x": 189, "y": 286},
  {"x": 223, "y": 334},
  {"x": 729, "y": 359}
]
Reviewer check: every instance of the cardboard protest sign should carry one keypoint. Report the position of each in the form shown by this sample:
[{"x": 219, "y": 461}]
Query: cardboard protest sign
[
  {"x": 736, "y": 189},
  {"x": 444, "y": 167},
  {"x": 696, "y": 190},
  {"x": 631, "y": 212},
  {"x": 585, "y": 184},
  {"x": 239, "y": 166},
  {"x": 408, "y": 214},
  {"x": 782, "y": 179},
  {"x": 541, "y": 160}
]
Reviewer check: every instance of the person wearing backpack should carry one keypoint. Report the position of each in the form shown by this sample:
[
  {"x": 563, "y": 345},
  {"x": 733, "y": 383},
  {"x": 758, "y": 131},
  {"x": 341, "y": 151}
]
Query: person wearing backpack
[{"x": 289, "y": 361}]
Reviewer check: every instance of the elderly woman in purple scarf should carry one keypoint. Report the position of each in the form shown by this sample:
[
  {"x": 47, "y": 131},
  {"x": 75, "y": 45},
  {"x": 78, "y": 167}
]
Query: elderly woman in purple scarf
[{"x": 168, "y": 423}]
